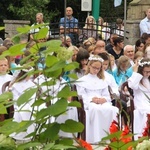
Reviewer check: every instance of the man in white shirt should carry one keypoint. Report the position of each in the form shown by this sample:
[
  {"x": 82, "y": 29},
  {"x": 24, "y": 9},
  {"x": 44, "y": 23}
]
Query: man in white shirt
[
  {"x": 145, "y": 23},
  {"x": 39, "y": 21}
]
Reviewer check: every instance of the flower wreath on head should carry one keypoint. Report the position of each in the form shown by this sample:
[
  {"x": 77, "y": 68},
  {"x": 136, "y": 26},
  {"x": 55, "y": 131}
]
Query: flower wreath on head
[
  {"x": 96, "y": 58},
  {"x": 143, "y": 63}
]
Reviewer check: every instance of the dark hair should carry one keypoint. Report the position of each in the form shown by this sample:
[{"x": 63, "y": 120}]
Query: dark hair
[
  {"x": 140, "y": 68},
  {"x": 117, "y": 40},
  {"x": 82, "y": 54},
  {"x": 138, "y": 43},
  {"x": 105, "y": 56}
]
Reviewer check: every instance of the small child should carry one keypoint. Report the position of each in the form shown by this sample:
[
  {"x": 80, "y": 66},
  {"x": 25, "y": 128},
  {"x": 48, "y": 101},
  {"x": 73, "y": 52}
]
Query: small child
[{"x": 4, "y": 77}]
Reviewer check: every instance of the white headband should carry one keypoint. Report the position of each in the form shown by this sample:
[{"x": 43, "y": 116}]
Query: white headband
[
  {"x": 28, "y": 70},
  {"x": 96, "y": 58},
  {"x": 143, "y": 63}
]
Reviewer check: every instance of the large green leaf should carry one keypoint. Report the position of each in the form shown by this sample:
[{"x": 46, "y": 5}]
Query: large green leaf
[
  {"x": 3, "y": 109},
  {"x": 24, "y": 29},
  {"x": 41, "y": 34},
  {"x": 25, "y": 97},
  {"x": 54, "y": 45},
  {"x": 9, "y": 128},
  {"x": 15, "y": 50},
  {"x": 75, "y": 104},
  {"x": 52, "y": 131},
  {"x": 56, "y": 66},
  {"x": 6, "y": 96},
  {"x": 72, "y": 126},
  {"x": 29, "y": 145},
  {"x": 51, "y": 60},
  {"x": 66, "y": 92},
  {"x": 66, "y": 141},
  {"x": 53, "y": 110},
  {"x": 48, "y": 146},
  {"x": 71, "y": 66},
  {"x": 23, "y": 125}
]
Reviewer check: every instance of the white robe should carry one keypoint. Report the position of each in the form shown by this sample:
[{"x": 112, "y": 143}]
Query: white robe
[
  {"x": 71, "y": 112},
  {"x": 18, "y": 89},
  {"x": 141, "y": 102},
  {"x": 98, "y": 117},
  {"x": 3, "y": 79}
]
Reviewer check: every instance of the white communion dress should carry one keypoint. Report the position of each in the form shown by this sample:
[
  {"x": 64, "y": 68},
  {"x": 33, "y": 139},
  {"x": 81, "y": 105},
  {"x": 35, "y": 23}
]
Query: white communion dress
[
  {"x": 141, "y": 102},
  {"x": 23, "y": 112},
  {"x": 71, "y": 112},
  {"x": 3, "y": 79},
  {"x": 98, "y": 116}
]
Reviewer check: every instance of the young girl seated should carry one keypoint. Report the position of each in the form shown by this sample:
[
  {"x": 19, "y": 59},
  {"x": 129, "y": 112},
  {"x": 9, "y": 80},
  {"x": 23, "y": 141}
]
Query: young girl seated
[
  {"x": 18, "y": 86},
  {"x": 140, "y": 83},
  {"x": 97, "y": 102}
]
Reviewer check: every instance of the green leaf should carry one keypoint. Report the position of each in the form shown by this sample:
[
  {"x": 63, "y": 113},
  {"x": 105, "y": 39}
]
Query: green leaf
[
  {"x": 66, "y": 141},
  {"x": 73, "y": 76},
  {"x": 113, "y": 135},
  {"x": 48, "y": 146},
  {"x": 6, "y": 96},
  {"x": 64, "y": 92},
  {"x": 74, "y": 104},
  {"x": 60, "y": 146},
  {"x": 41, "y": 34},
  {"x": 56, "y": 66},
  {"x": 3, "y": 109},
  {"x": 29, "y": 145},
  {"x": 24, "y": 29},
  {"x": 2, "y": 28},
  {"x": 51, "y": 60},
  {"x": 15, "y": 50},
  {"x": 116, "y": 144},
  {"x": 72, "y": 126},
  {"x": 23, "y": 125},
  {"x": 54, "y": 45},
  {"x": 52, "y": 131},
  {"x": 38, "y": 102},
  {"x": 71, "y": 66},
  {"x": 25, "y": 97},
  {"x": 9, "y": 128},
  {"x": 53, "y": 110}
]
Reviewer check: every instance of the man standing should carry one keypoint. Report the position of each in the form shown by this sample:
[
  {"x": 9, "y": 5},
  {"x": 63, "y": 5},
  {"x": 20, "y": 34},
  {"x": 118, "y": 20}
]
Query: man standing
[
  {"x": 145, "y": 23},
  {"x": 39, "y": 21},
  {"x": 69, "y": 25}
]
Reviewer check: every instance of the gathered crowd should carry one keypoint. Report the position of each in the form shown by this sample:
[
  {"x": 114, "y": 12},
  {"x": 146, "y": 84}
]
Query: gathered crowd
[{"x": 103, "y": 67}]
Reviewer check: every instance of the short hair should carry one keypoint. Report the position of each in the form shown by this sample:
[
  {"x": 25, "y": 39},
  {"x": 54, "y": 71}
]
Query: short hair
[
  {"x": 117, "y": 40},
  {"x": 119, "y": 21},
  {"x": 39, "y": 14}
]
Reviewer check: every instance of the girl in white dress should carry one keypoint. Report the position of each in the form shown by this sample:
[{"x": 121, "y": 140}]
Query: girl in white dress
[
  {"x": 97, "y": 103},
  {"x": 140, "y": 83},
  {"x": 71, "y": 112},
  {"x": 22, "y": 113}
]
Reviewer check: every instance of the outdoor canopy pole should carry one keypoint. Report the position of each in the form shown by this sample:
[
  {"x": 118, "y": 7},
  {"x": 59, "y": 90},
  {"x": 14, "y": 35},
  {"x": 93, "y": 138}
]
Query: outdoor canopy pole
[
  {"x": 65, "y": 5},
  {"x": 95, "y": 9},
  {"x": 125, "y": 16}
]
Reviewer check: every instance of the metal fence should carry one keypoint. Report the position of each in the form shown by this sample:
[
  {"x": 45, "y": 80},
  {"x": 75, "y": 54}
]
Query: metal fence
[{"x": 82, "y": 34}]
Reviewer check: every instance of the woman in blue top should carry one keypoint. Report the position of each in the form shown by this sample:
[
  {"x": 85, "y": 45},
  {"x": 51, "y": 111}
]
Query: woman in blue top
[{"x": 123, "y": 71}]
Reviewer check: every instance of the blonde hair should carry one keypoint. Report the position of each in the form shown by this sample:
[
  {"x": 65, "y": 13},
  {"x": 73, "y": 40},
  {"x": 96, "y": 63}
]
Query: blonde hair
[
  {"x": 122, "y": 60},
  {"x": 87, "y": 22},
  {"x": 100, "y": 74}
]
